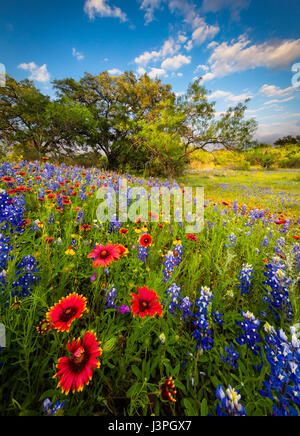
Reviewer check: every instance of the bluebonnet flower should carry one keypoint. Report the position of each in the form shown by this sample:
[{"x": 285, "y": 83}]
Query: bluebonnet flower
[
  {"x": 80, "y": 217},
  {"x": 185, "y": 306},
  {"x": 178, "y": 253},
  {"x": 296, "y": 252},
  {"x": 282, "y": 385},
  {"x": 169, "y": 266},
  {"x": 203, "y": 333},
  {"x": 265, "y": 242},
  {"x": 230, "y": 405},
  {"x": 11, "y": 212},
  {"x": 5, "y": 248},
  {"x": 277, "y": 291},
  {"x": 110, "y": 298},
  {"x": 232, "y": 357},
  {"x": 47, "y": 407},
  {"x": 25, "y": 277},
  {"x": 143, "y": 253},
  {"x": 245, "y": 278},
  {"x": 232, "y": 241},
  {"x": 51, "y": 219},
  {"x": 173, "y": 293},
  {"x": 114, "y": 226},
  {"x": 250, "y": 337}
]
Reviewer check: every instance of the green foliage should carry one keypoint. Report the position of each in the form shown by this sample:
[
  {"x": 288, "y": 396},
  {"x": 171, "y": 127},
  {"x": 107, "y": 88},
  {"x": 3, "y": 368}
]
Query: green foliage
[{"x": 136, "y": 123}]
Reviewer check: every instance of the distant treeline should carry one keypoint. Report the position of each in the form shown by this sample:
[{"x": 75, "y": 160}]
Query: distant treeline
[
  {"x": 121, "y": 122},
  {"x": 262, "y": 156}
]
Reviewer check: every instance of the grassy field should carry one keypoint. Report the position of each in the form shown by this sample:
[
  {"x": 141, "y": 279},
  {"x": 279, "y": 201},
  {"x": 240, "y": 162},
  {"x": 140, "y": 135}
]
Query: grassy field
[
  {"x": 165, "y": 323},
  {"x": 278, "y": 190}
]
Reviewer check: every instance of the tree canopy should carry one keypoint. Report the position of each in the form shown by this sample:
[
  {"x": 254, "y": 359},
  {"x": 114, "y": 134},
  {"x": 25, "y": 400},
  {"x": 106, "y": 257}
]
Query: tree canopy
[{"x": 133, "y": 121}]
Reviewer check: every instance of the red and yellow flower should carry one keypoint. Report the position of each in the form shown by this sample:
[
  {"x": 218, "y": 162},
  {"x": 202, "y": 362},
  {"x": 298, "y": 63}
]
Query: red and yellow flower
[
  {"x": 145, "y": 240},
  {"x": 104, "y": 255},
  {"x": 66, "y": 311},
  {"x": 76, "y": 371},
  {"x": 146, "y": 303},
  {"x": 168, "y": 390}
]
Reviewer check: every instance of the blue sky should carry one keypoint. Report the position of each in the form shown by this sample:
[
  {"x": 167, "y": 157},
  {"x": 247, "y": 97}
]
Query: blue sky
[{"x": 241, "y": 48}]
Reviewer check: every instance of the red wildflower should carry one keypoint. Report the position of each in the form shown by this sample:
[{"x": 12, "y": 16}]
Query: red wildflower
[
  {"x": 66, "y": 311},
  {"x": 145, "y": 303},
  {"x": 279, "y": 222},
  {"x": 168, "y": 390},
  {"x": 85, "y": 227},
  {"x": 77, "y": 371},
  {"x": 192, "y": 237},
  {"x": 123, "y": 231},
  {"x": 122, "y": 250},
  {"x": 145, "y": 240},
  {"x": 8, "y": 179},
  {"x": 296, "y": 237},
  {"x": 104, "y": 256},
  {"x": 49, "y": 240}
]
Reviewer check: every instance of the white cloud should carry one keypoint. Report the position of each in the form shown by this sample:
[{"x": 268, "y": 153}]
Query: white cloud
[
  {"x": 141, "y": 71},
  {"x": 201, "y": 30},
  {"x": 40, "y": 74},
  {"x": 235, "y": 6},
  {"x": 77, "y": 54},
  {"x": 103, "y": 9},
  {"x": 169, "y": 48},
  {"x": 285, "y": 100},
  {"x": 157, "y": 72},
  {"x": 241, "y": 55},
  {"x": 182, "y": 38},
  {"x": 204, "y": 31},
  {"x": 175, "y": 62},
  {"x": 149, "y": 6},
  {"x": 271, "y": 132},
  {"x": 115, "y": 72},
  {"x": 202, "y": 67},
  {"x": 275, "y": 91},
  {"x": 229, "y": 96}
]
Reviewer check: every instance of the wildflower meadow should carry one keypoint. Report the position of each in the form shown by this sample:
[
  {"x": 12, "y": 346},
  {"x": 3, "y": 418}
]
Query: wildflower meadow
[{"x": 142, "y": 318}]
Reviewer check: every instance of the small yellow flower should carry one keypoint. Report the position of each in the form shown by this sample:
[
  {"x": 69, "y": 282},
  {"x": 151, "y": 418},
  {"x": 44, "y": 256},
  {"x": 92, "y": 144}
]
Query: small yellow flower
[
  {"x": 70, "y": 252},
  {"x": 137, "y": 230},
  {"x": 177, "y": 242}
]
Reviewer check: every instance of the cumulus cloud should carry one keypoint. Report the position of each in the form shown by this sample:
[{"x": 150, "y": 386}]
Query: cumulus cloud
[
  {"x": 204, "y": 31},
  {"x": 149, "y": 6},
  {"x": 228, "y": 58},
  {"x": 275, "y": 91},
  {"x": 102, "y": 8},
  {"x": 271, "y": 132},
  {"x": 40, "y": 74},
  {"x": 157, "y": 72},
  {"x": 175, "y": 62},
  {"x": 169, "y": 48},
  {"x": 229, "y": 96},
  {"x": 114, "y": 72},
  {"x": 201, "y": 30}
]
